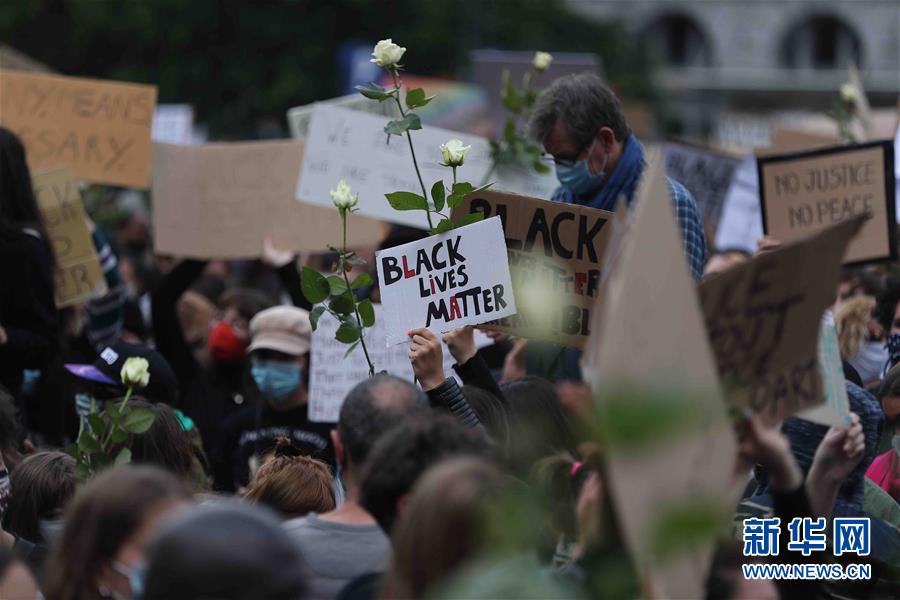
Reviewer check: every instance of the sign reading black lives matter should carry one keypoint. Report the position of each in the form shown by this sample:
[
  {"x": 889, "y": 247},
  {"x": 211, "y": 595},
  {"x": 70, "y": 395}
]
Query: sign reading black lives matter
[
  {"x": 806, "y": 192},
  {"x": 446, "y": 281}
]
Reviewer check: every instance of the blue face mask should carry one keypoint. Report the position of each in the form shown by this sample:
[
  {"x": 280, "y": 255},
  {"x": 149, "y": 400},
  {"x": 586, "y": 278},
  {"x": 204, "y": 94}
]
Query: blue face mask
[
  {"x": 276, "y": 380},
  {"x": 135, "y": 576},
  {"x": 578, "y": 178}
]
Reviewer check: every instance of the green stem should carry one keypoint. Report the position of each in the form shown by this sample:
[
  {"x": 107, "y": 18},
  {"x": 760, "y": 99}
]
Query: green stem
[
  {"x": 362, "y": 329},
  {"x": 122, "y": 406},
  {"x": 412, "y": 150}
]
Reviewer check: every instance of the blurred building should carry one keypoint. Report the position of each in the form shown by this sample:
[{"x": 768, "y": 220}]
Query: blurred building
[{"x": 756, "y": 55}]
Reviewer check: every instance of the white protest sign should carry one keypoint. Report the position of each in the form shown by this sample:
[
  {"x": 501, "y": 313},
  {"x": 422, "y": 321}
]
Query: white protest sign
[
  {"x": 299, "y": 117},
  {"x": 446, "y": 281},
  {"x": 740, "y": 225},
  {"x": 173, "y": 124},
  {"x": 333, "y": 373},
  {"x": 351, "y": 145}
]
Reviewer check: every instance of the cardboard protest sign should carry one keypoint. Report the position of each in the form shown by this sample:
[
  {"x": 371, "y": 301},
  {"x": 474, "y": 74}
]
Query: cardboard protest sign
[
  {"x": 804, "y": 193},
  {"x": 555, "y": 253},
  {"x": 706, "y": 174},
  {"x": 99, "y": 129},
  {"x": 763, "y": 321},
  {"x": 351, "y": 145},
  {"x": 333, "y": 372},
  {"x": 223, "y": 200},
  {"x": 667, "y": 438},
  {"x": 446, "y": 281},
  {"x": 78, "y": 274},
  {"x": 835, "y": 410}
]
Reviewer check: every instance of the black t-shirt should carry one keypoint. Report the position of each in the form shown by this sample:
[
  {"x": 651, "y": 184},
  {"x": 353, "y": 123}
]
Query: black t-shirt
[{"x": 253, "y": 431}]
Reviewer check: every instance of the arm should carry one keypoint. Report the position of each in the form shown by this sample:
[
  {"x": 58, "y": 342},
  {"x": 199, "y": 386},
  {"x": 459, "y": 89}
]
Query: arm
[
  {"x": 106, "y": 314},
  {"x": 837, "y": 455},
  {"x": 470, "y": 366},
  {"x": 166, "y": 326},
  {"x": 426, "y": 357},
  {"x": 285, "y": 264}
]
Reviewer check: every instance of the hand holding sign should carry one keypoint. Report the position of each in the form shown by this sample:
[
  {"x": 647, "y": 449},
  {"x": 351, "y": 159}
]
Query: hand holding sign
[{"x": 426, "y": 358}]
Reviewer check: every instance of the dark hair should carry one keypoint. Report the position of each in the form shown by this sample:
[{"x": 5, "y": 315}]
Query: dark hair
[
  {"x": 490, "y": 412},
  {"x": 10, "y": 426},
  {"x": 229, "y": 552},
  {"x": 404, "y": 453},
  {"x": 294, "y": 486},
  {"x": 890, "y": 385},
  {"x": 886, "y": 304},
  {"x": 42, "y": 486},
  {"x": 373, "y": 407},
  {"x": 583, "y": 104},
  {"x": 18, "y": 205},
  {"x": 166, "y": 444},
  {"x": 247, "y": 301},
  {"x": 106, "y": 512},
  {"x": 538, "y": 425}
]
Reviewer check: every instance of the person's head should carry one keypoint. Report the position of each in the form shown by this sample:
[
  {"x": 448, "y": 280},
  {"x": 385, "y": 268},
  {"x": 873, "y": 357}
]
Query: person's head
[
  {"x": 538, "y": 425},
  {"x": 722, "y": 260},
  {"x": 107, "y": 529},
  {"x": 279, "y": 353},
  {"x": 103, "y": 377},
  {"x": 857, "y": 282},
  {"x": 370, "y": 409},
  {"x": 886, "y": 307},
  {"x": 861, "y": 338},
  {"x": 16, "y": 580},
  {"x": 42, "y": 486},
  {"x": 405, "y": 452},
  {"x": 165, "y": 444},
  {"x": 230, "y": 332},
  {"x": 18, "y": 206},
  {"x": 226, "y": 551},
  {"x": 889, "y": 396},
  {"x": 293, "y": 485},
  {"x": 444, "y": 526},
  {"x": 578, "y": 120},
  {"x": 491, "y": 413}
]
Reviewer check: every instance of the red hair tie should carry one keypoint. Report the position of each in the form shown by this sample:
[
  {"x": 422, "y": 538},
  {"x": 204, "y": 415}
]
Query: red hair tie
[{"x": 576, "y": 466}]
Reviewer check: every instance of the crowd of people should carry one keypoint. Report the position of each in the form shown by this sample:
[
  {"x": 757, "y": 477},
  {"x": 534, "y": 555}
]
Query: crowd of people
[{"x": 486, "y": 484}]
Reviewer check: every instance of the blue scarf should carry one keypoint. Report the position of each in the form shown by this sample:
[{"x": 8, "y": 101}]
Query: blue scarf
[{"x": 621, "y": 182}]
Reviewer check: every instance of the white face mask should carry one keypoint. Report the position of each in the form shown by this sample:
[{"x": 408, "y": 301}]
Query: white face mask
[{"x": 869, "y": 361}]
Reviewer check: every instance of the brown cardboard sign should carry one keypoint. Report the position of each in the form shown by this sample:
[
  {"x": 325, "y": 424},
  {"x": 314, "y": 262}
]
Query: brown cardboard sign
[
  {"x": 555, "y": 255},
  {"x": 78, "y": 274},
  {"x": 763, "y": 319},
  {"x": 99, "y": 129},
  {"x": 804, "y": 193},
  {"x": 223, "y": 200}
]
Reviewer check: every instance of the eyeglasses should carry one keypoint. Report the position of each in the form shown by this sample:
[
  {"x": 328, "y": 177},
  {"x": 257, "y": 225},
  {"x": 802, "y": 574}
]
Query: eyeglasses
[{"x": 566, "y": 161}]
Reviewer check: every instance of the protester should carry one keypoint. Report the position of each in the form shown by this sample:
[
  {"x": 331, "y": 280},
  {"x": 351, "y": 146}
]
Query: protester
[
  {"x": 292, "y": 485},
  {"x": 598, "y": 159},
  {"x": 279, "y": 355},
  {"x": 11, "y": 434},
  {"x": 28, "y": 319},
  {"x": 227, "y": 552},
  {"x": 101, "y": 550},
  {"x": 343, "y": 544},
  {"x": 167, "y": 444},
  {"x": 886, "y": 312},
  {"x": 446, "y": 524},
  {"x": 42, "y": 487},
  {"x": 722, "y": 260},
  {"x": 861, "y": 338},
  {"x": 16, "y": 581}
]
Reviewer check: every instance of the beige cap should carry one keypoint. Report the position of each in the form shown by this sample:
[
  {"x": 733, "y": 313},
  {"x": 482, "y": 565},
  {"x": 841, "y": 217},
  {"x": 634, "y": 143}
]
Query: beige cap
[{"x": 281, "y": 328}]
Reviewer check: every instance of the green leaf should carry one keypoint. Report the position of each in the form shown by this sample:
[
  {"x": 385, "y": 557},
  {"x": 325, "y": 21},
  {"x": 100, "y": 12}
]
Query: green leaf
[
  {"x": 509, "y": 131},
  {"x": 112, "y": 413},
  {"x": 314, "y": 316},
  {"x": 139, "y": 420},
  {"x": 343, "y": 304},
  {"x": 118, "y": 435},
  {"x": 366, "y": 313},
  {"x": 469, "y": 219},
  {"x": 362, "y": 280},
  {"x": 313, "y": 285},
  {"x": 347, "y": 333},
  {"x": 72, "y": 450},
  {"x": 462, "y": 188},
  {"x": 510, "y": 95},
  {"x": 351, "y": 349},
  {"x": 88, "y": 442},
  {"x": 540, "y": 167},
  {"x": 437, "y": 195},
  {"x": 96, "y": 423},
  {"x": 443, "y": 226},
  {"x": 416, "y": 98},
  {"x": 99, "y": 460},
  {"x": 374, "y": 91},
  {"x": 406, "y": 201},
  {"x": 123, "y": 457},
  {"x": 336, "y": 285},
  {"x": 481, "y": 188},
  {"x": 401, "y": 126}
]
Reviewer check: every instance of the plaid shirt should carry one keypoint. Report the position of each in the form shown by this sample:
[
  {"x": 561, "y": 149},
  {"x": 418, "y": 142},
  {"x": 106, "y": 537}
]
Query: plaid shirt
[{"x": 689, "y": 222}]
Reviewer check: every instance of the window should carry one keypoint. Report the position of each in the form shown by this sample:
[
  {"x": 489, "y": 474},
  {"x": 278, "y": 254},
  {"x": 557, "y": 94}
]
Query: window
[
  {"x": 820, "y": 42},
  {"x": 677, "y": 41}
]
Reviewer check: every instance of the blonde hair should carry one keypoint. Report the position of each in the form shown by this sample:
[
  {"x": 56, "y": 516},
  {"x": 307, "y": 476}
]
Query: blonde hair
[{"x": 851, "y": 319}]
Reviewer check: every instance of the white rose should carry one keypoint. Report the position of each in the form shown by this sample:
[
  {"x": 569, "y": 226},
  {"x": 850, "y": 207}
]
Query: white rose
[
  {"x": 387, "y": 54},
  {"x": 343, "y": 197},
  {"x": 849, "y": 93},
  {"x": 135, "y": 372},
  {"x": 454, "y": 153},
  {"x": 541, "y": 61}
]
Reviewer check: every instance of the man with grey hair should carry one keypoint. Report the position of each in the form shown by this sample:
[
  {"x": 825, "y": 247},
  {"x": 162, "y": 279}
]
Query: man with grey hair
[
  {"x": 340, "y": 545},
  {"x": 597, "y": 158}
]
